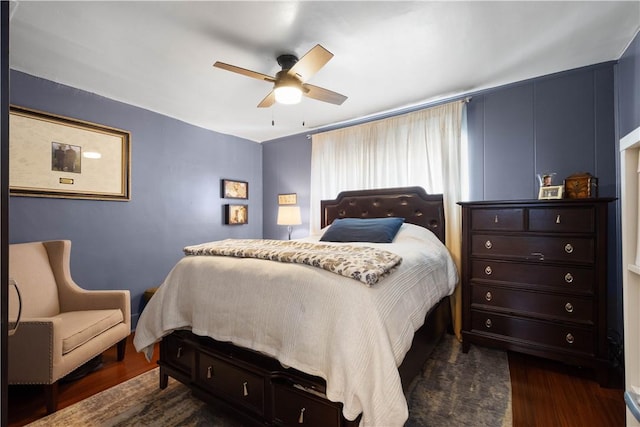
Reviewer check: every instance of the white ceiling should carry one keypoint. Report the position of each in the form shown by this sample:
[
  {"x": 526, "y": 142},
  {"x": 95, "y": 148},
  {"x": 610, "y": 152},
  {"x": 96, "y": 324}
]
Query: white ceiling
[{"x": 389, "y": 55}]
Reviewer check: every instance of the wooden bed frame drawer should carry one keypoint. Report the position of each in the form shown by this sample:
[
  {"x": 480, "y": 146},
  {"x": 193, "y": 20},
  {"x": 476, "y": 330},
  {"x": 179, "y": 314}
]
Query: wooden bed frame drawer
[
  {"x": 565, "y": 278},
  {"x": 231, "y": 381},
  {"x": 565, "y": 337},
  {"x": 295, "y": 407},
  {"x": 498, "y": 219},
  {"x": 178, "y": 353},
  {"x": 535, "y": 304}
]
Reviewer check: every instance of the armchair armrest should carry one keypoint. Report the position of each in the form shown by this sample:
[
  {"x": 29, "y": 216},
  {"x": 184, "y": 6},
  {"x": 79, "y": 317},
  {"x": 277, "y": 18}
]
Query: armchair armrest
[
  {"x": 33, "y": 351},
  {"x": 78, "y": 299}
]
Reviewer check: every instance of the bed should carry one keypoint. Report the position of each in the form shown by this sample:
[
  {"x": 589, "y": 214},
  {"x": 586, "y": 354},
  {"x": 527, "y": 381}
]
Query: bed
[{"x": 286, "y": 343}]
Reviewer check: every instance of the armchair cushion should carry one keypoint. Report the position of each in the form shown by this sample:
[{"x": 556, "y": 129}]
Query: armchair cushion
[{"x": 78, "y": 327}]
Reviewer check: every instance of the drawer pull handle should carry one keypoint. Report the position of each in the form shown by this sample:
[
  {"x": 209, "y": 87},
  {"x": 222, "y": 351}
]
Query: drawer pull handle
[
  {"x": 488, "y": 270},
  {"x": 179, "y": 353},
  {"x": 495, "y": 220},
  {"x": 488, "y": 323},
  {"x": 245, "y": 391},
  {"x": 209, "y": 372},
  {"x": 488, "y": 244},
  {"x": 539, "y": 255},
  {"x": 569, "y": 307},
  {"x": 570, "y": 339},
  {"x": 568, "y": 248},
  {"x": 568, "y": 277},
  {"x": 488, "y": 296},
  {"x": 558, "y": 219},
  {"x": 301, "y": 417}
]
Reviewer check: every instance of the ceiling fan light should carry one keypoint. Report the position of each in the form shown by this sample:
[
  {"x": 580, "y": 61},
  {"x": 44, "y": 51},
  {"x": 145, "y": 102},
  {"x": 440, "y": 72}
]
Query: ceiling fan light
[{"x": 288, "y": 95}]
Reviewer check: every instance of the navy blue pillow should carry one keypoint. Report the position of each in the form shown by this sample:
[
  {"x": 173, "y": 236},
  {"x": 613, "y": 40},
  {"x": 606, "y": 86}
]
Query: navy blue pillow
[{"x": 373, "y": 230}]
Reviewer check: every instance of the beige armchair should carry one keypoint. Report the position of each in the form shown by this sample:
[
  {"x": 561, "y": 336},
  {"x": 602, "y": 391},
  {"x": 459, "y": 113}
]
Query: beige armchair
[{"x": 62, "y": 326}]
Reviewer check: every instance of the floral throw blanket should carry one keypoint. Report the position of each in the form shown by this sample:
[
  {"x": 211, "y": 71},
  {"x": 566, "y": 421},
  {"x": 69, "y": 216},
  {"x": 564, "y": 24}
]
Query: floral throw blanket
[{"x": 365, "y": 264}]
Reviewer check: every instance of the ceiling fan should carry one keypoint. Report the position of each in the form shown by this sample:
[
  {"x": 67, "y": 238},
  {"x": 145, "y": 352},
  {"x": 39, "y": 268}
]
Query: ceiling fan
[{"x": 290, "y": 84}]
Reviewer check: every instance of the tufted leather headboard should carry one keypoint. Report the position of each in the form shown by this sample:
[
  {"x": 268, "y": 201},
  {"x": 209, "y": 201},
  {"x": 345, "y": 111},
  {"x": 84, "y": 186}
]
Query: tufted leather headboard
[{"x": 411, "y": 203}]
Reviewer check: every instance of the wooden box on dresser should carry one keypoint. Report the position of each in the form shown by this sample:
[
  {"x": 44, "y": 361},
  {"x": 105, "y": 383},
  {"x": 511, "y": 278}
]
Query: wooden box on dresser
[{"x": 534, "y": 279}]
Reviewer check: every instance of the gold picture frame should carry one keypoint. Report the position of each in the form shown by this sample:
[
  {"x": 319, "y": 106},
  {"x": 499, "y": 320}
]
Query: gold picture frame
[
  {"x": 288, "y": 199},
  {"x": 62, "y": 157},
  {"x": 551, "y": 192}
]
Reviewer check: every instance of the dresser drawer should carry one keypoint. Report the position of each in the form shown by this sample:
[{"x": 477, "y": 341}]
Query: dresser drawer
[
  {"x": 557, "y": 307},
  {"x": 508, "y": 219},
  {"x": 295, "y": 407},
  {"x": 569, "y": 278},
  {"x": 538, "y": 333},
  {"x": 178, "y": 353},
  {"x": 233, "y": 382},
  {"x": 533, "y": 248},
  {"x": 562, "y": 220}
]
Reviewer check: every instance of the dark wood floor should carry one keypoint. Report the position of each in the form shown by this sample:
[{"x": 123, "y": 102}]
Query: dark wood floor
[{"x": 544, "y": 393}]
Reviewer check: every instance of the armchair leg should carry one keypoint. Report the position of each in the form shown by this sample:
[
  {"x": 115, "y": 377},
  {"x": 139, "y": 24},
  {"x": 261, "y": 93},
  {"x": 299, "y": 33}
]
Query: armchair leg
[
  {"x": 121, "y": 347},
  {"x": 51, "y": 397}
]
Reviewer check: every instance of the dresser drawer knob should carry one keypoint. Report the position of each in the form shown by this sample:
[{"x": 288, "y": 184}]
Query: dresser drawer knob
[
  {"x": 495, "y": 220},
  {"x": 570, "y": 339},
  {"x": 301, "y": 417},
  {"x": 209, "y": 372},
  {"x": 245, "y": 391},
  {"x": 569, "y": 307},
  {"x": 568, "y": 277},
  {"x": 488, "y": 270},
  {"x": 488, "y": 323},
  {"x": 488, "y": 296},
  {"x": 558, "y": 219},
  {"x": 179, "y": 354},
  {"x": 488, "y": 244},
  {"x": 568, "y": 248}
]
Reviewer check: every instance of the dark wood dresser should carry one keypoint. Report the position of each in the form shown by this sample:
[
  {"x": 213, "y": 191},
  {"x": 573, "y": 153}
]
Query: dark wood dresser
[{"x": 534, "y": 279}]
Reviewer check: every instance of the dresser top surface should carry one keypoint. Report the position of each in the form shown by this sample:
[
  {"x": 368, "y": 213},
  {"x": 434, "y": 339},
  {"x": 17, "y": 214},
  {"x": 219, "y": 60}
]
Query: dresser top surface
[{"x": 538, "y": 202}]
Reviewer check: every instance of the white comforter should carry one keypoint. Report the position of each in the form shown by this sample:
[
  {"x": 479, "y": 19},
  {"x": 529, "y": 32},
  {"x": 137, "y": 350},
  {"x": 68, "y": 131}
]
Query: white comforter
[{"x": 318, "y": 322}]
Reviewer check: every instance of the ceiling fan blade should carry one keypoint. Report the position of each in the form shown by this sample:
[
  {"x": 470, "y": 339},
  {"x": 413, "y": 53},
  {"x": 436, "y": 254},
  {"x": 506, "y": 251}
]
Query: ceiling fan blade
[
  {"x": 311, "y": 62},
  {"x": 244, "y": 72},
  {"x": 268, "y": 100},
  {"x": 322, "y": 94}
]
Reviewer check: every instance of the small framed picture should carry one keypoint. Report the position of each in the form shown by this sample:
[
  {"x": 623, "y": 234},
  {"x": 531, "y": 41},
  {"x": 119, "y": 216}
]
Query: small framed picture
[
  {"x": 551, "y": 192},
  {"x": 236, "y": 214},
  {"x": 230, "y": 189},
  {"x": 288, "y": 199}
]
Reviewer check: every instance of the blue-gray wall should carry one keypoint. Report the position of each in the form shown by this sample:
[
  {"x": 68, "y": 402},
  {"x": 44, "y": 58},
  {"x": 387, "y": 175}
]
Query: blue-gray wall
[
  {"x": 175, "y": 193},
  {"x": 286, "y": 169},
  {"x": 629, "y": 88}
]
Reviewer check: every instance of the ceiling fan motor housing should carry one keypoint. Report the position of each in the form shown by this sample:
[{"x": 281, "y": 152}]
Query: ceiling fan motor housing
[{"x": 287, "y": 61}]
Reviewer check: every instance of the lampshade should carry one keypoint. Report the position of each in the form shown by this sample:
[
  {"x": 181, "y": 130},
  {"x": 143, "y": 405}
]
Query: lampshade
[
  {"x": 289, "y": 215},
  {"x": 288, "y": 94}
]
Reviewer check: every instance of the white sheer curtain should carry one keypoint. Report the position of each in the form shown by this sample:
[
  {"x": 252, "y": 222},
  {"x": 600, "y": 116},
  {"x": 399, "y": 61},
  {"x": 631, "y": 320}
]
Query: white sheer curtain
[{"x": 426, "y": 148}]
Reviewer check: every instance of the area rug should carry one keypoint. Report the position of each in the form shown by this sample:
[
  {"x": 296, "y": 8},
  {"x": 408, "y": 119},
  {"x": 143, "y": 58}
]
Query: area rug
[{"x": 454, "y": 389}]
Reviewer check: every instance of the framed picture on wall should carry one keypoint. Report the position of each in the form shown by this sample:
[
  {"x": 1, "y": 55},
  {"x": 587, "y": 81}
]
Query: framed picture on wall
[
  {"x": 56, "y": 156},
  {"x": 231, "y": 189},
  {"x": 236, "y": 214},
  {"x": 288, "y": 199}
]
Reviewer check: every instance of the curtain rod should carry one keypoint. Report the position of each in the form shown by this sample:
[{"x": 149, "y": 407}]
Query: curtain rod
[{"x": 381, "y": 116}]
